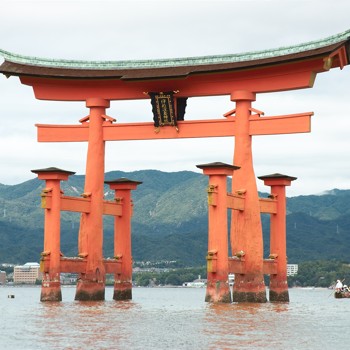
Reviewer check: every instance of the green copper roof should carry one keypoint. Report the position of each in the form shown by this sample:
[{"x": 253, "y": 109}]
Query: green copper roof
[{"x": 175, "y": 62}]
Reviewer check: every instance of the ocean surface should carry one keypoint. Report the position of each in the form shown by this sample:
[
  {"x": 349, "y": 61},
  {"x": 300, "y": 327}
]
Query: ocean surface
[{"x": 172, "y": 318}]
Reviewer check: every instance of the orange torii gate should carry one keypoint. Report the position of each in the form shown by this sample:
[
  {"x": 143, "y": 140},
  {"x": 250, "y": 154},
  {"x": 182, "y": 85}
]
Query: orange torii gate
[
  {"x": 53, "y": 262},
  {"x": 219, "y": 265},
  {"x": 169, "y": 83}
]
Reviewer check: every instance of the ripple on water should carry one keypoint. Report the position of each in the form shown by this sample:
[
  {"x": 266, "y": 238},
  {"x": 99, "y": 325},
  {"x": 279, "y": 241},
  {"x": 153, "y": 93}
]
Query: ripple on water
[{"x": 172, "y": 318}]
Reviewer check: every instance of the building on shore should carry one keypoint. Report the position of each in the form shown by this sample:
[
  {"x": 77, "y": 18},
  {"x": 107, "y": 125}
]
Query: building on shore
[
  {"x": 69, "y": 278},
  {"x": 197, "y": 283},
  {"x": 292, "y": 269},
  {"x": 28, "y": 273}
]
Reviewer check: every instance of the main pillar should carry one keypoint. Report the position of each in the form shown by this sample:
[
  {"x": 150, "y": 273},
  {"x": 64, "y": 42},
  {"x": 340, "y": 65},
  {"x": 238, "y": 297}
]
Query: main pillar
[
  {"x": 51, "y": 285},
  {"x": 218, "y": 289},
  {"x": 122, "y": 237},
  {"x": 246, "y": 229},
  {"x": 91, "y": 284},
  {"x": 278, "y": 242}
]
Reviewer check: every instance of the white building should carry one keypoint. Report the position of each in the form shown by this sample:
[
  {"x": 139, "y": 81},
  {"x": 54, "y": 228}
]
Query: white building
[
  {"x": 198, "y": 283},
  {"x": 292, "y": 269},
  {"x": 27, "y": 273}
]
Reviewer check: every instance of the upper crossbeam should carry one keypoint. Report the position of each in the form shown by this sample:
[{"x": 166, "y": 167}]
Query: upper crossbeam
[{"x": 284, "y": 124}]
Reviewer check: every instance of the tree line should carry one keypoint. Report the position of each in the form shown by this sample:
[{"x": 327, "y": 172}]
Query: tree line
[
  {"x": 317, "y": 273},
  {"x": 173, "y": 277},
  {"x": 320, "y": 273}
]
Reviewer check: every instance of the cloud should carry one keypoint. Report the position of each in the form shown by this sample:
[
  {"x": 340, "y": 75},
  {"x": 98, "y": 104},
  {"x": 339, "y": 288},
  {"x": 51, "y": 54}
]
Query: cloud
[{"x": 118, "y": 30}]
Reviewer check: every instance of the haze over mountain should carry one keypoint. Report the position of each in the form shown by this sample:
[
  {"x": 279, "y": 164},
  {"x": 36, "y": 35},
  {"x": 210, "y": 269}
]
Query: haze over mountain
[{"x": 170, "y": 220}]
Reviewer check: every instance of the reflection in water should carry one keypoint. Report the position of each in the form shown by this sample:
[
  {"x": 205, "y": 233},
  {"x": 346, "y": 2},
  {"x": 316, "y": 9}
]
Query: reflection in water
[
  {"x": 86, "y": 325},
  {"x": 172, "y": 318},
  {"x": 280, "y": 307},
  {"x": 243, "y": 325}
]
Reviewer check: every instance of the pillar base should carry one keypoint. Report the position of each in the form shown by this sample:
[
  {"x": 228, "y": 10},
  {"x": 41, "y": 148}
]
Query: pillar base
[
  {"x": 51, "y": 291},
  {"x": 279, "y": 297},
  {"x": 249, "y": 297},
  {"x": 88, "y": 290},
  {"x": 278, "y": 290},
  {"x": 122, "y": 291},
  {"x": 249, "y": 289},
  {"x": 218, "y": 292}
]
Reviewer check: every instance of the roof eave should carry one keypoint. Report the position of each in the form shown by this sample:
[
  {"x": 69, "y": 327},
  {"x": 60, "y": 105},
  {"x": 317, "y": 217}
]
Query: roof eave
[{"x": 9, "y": 68}]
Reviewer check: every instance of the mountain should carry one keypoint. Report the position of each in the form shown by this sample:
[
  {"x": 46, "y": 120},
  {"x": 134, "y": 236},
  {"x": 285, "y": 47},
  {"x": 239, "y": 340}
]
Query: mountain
[{"x": 170, "y": 220}]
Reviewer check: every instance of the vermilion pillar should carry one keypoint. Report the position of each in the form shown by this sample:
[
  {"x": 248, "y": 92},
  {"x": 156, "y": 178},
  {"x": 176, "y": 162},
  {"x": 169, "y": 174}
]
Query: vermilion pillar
[
  {"x": 218, "y": 289},
  {"x": 51, "y": 286},
  {"x": 278, "y": 243},
  {"x": 91, "y": 284},
  {"x": 122, "y": 237},
  {"x": 246, "y": 229}
]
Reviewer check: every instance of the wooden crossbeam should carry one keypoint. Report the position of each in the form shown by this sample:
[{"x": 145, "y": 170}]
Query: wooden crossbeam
[
  {"x": 268, "y": 206},
  {"x": 78, "y": 265},
  {"x": 63, "y": 133},
  {"x": 72, "y": 265},
  {"x": 269, "y": 267},
  {"x": 238, "y": 266},
  {"x": 81, "y": 205},
  {"x": 283, "y": 124},
  {"x": 288, "y": 124},
  {"x": 112, "y": 266},
  {"x": 235, "y": 201},
  {"x": 75, "y": 204},
  {"x": 111, "y": 208}
]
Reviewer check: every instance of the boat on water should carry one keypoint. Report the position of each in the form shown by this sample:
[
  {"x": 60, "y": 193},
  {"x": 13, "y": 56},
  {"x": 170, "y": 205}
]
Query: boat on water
[
  {"x": 339, "y": 294},
  {"x": 341, "y": 290}
]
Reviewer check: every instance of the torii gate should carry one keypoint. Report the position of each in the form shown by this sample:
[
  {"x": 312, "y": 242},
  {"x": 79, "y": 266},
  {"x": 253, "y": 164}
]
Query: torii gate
[{"x": 241, "y": 77}]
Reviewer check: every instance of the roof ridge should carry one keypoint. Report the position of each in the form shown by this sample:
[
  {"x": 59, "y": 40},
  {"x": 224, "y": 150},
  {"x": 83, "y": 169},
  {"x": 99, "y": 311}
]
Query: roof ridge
[{"x": 174, "y": 62}]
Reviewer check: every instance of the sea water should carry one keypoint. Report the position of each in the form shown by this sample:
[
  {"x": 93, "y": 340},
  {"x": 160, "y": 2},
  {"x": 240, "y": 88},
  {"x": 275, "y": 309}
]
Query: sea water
[{"x": 172, "y": 318}]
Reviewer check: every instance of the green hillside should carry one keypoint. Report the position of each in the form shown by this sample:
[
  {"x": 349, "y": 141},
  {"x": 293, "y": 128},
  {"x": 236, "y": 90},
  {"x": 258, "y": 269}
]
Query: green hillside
[{"x": 170, "y": 220}]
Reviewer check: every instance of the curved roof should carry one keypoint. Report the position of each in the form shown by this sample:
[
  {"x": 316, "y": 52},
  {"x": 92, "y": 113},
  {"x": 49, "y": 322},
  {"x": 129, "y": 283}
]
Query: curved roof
[{"x": 20, "y": 65}]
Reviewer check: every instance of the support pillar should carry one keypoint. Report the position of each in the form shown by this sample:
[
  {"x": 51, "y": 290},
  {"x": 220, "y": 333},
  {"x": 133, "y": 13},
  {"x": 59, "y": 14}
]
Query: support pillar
[
  {"x": 246, "y": 228},
  {"x": 91, "y": 284},
  {"x": 278, "y": 240},
  {"x": 51, "y": 285},
  {"x": 218, "y": 289},
  {"x": 122, "y": 237}
]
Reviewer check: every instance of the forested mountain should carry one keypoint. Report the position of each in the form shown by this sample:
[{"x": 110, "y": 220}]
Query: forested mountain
[{"x": 170, "y": 220}]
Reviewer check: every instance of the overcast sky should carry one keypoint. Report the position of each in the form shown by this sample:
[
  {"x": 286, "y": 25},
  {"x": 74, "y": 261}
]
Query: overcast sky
[{"x": 118, "y": 30}]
